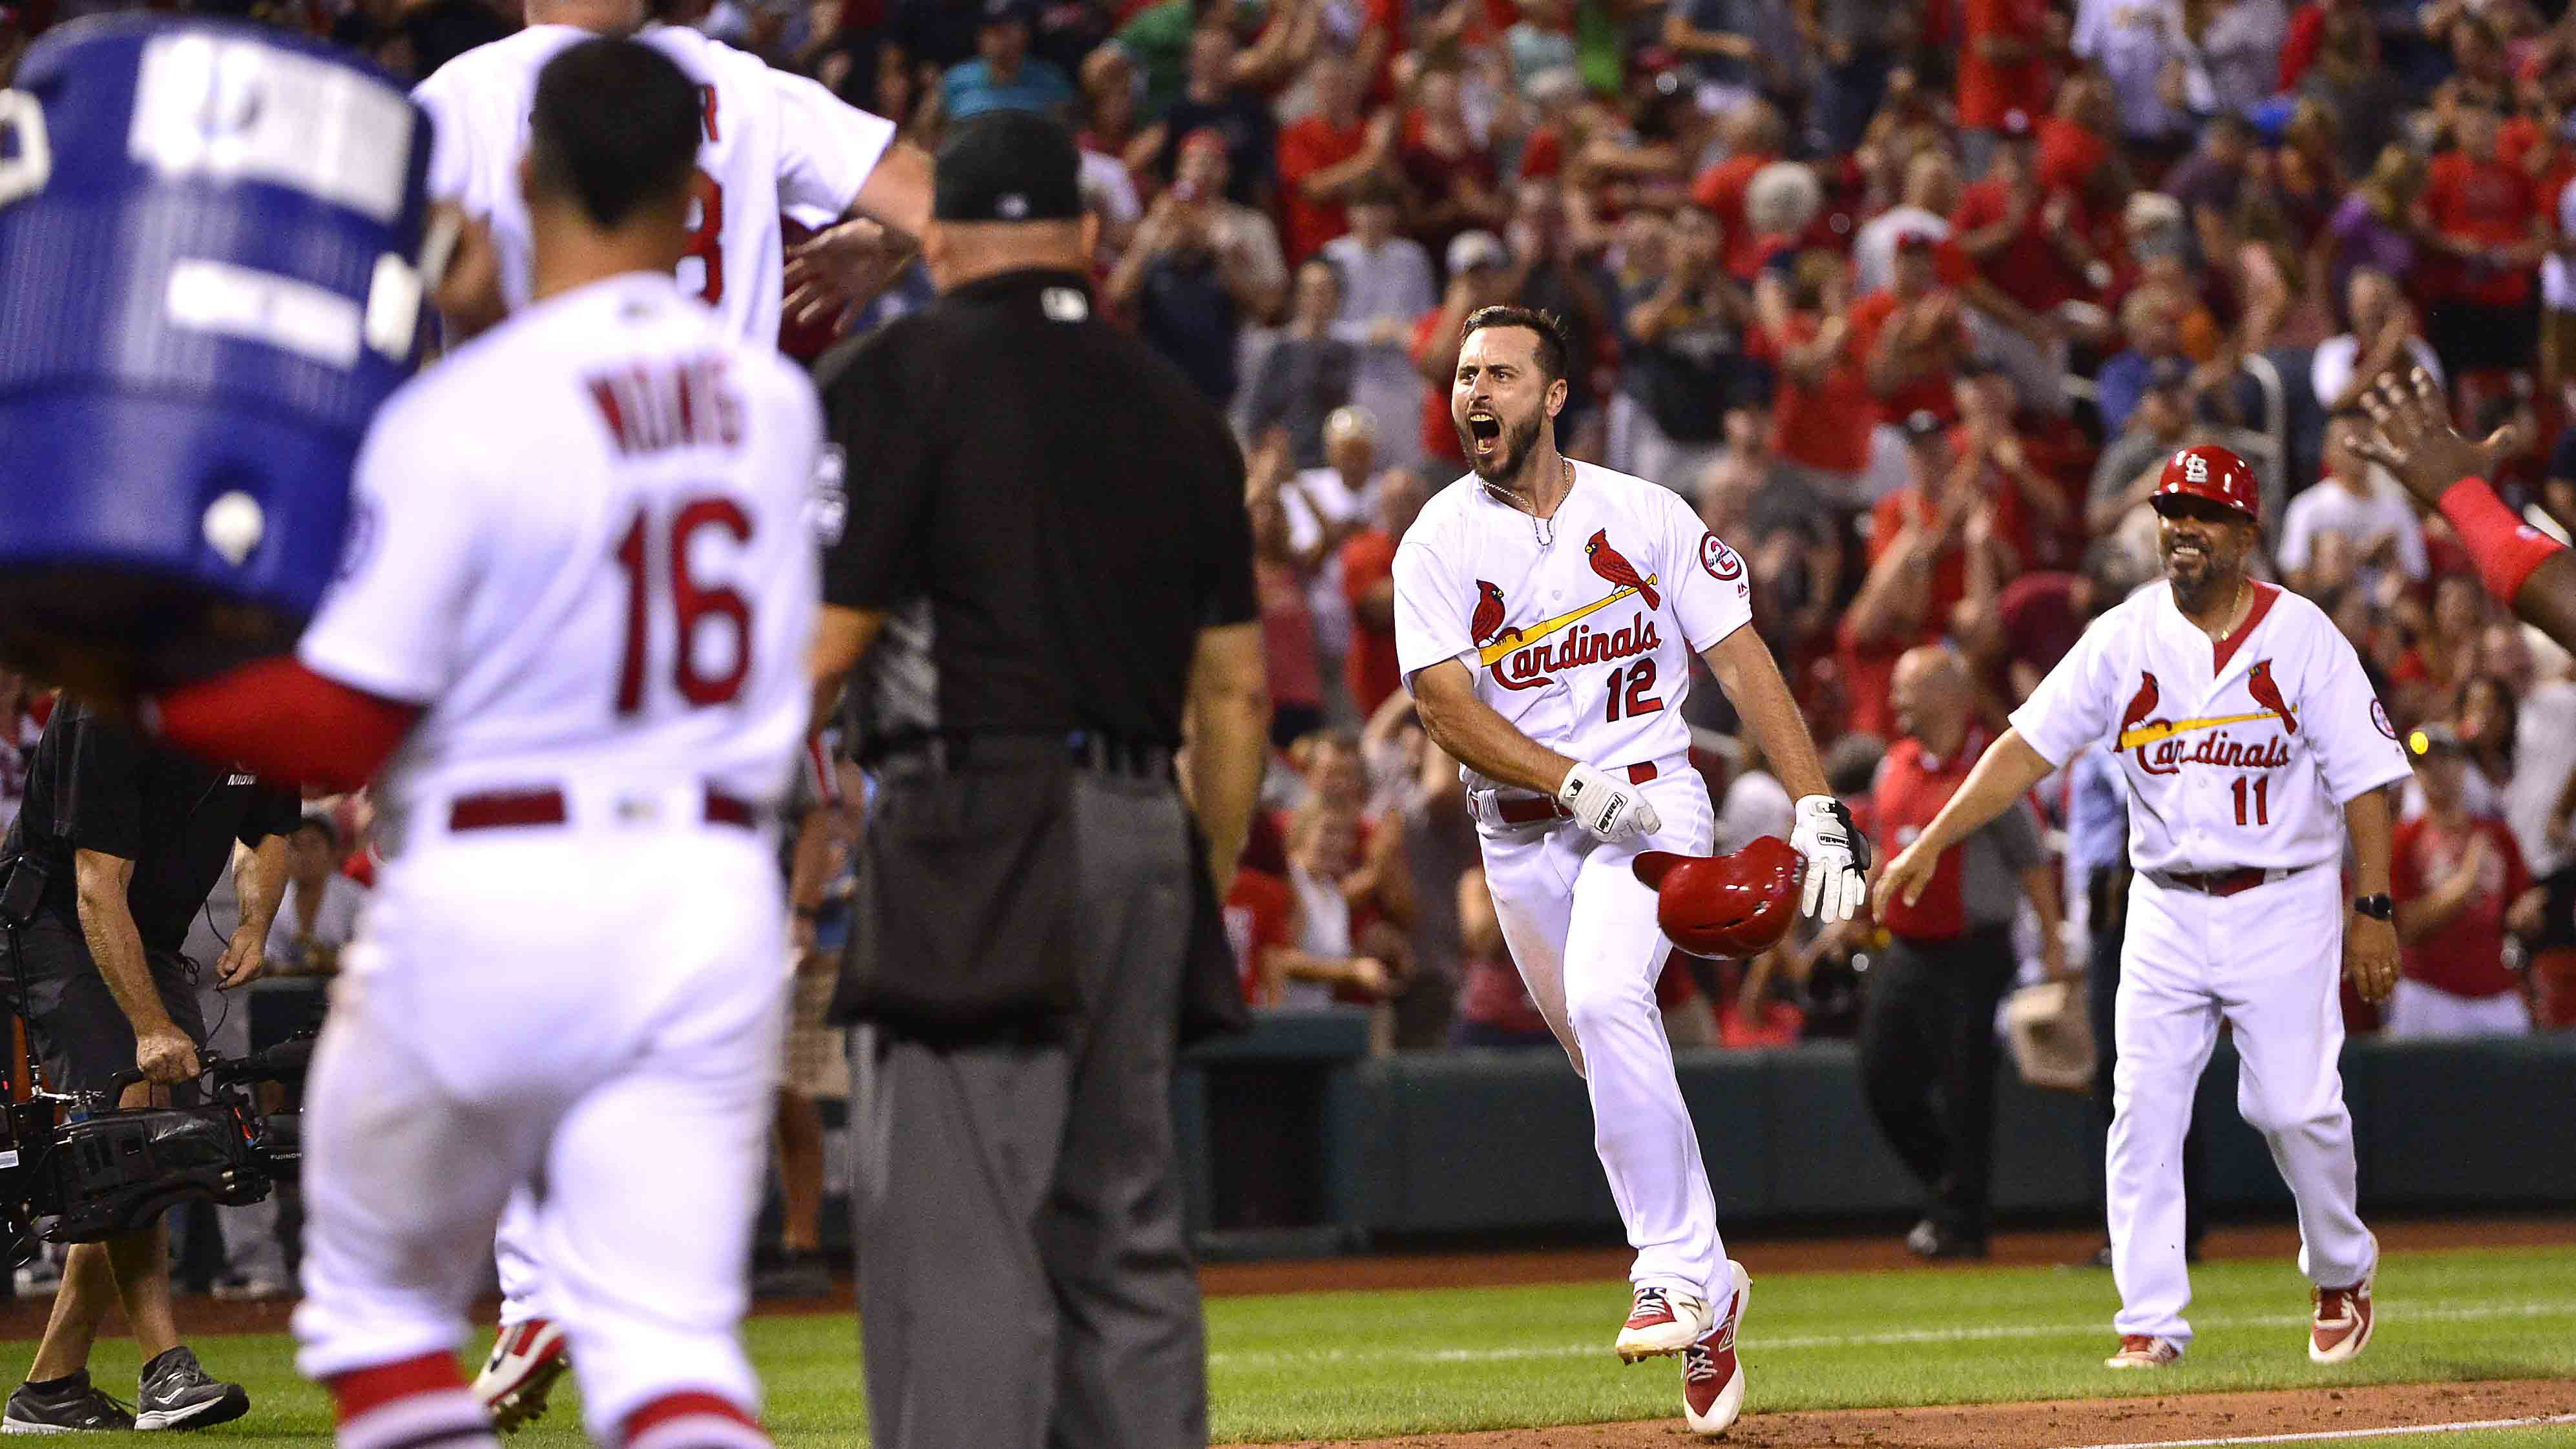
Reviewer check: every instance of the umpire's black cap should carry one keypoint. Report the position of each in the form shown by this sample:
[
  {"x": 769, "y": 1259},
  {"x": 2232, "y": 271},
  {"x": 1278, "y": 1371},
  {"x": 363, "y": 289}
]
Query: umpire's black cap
[{"x": 1008, "y": 166}]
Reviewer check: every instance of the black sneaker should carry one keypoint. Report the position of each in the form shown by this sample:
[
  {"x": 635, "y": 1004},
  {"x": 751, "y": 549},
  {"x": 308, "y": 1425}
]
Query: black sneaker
[
  {"x": 178, "y": 1395},
  {"x": 64, "y": 1406}
]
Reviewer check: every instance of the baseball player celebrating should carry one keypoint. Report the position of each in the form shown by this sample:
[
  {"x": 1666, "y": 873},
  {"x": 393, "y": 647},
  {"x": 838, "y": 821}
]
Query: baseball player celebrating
[
  {"x": 767, "y": 140},
  {"x": 2253, "y": 748},
  {"x": 580, "y": 589},
  {"x": 1546, "y": 612}
]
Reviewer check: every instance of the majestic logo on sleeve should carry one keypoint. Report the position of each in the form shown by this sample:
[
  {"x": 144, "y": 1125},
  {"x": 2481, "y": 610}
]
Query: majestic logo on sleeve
[
  {"x": 1719, "y": 560},
  {"x": 1607, "y": 562},
  {"x": 2161, "y": 751},
  {"x": 1532, "y": 657}
]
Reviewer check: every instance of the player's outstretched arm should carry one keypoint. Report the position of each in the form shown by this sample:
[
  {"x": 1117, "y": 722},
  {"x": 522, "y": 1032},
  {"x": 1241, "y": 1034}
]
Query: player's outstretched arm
[
  {"x": 1473, "y": 733},
  {"x": 2523, "y": 568},
  {"x": 1836, "y": 853},
  {"x": 2003, "y": 774}
]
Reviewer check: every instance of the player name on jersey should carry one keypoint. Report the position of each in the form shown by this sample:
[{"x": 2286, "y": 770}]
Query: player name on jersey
[{"x": 649, "y": 408}]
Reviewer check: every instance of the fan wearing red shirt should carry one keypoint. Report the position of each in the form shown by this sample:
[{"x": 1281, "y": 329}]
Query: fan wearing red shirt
[
  {"x": 2000, "y": 69},
  {"x": 1754, "y": 136},
  {"x": 1918, "y": 573},
  {"x": 1822, "y": 410},
  {"x": 1368, "y": 584},
  {"x": 2460, "y": 885},
  {"x": 2021, "y": 238},
  {"x": 1911, "y": 337},
  {"x": 1481, "y": 274},
  {"x": 2485, "y": 218},
  {"x": 1260, "y": 917},
  {"x": 1324, "y": 157}
]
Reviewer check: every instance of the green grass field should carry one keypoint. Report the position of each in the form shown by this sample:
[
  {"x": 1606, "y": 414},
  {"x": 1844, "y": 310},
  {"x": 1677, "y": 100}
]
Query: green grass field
[{"x": 1359, "y": 1365}]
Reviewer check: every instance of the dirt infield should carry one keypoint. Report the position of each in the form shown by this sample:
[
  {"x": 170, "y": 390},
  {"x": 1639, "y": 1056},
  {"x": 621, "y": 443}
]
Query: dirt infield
[{"x": 2062, "y": 1424}]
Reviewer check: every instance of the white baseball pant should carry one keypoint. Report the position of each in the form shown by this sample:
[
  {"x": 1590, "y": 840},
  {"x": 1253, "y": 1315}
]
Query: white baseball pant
[
  {"x": 2268, "y": 961},
  {"x": 1582, "y": 930},
  {"x": 497, "y": 1028}
]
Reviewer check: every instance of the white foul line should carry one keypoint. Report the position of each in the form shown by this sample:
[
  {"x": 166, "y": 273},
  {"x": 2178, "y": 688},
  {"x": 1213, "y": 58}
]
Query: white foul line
[{"x": 2321, "y": 1435}]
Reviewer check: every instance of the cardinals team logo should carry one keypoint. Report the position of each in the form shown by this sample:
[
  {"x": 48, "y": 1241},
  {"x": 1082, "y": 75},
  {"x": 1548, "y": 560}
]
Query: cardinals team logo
[
  {"x": 2379, "y": 720},
  {"x": 1528, "y": 658},
  {"x": 2161, "y": 753},
  {"x": 1609, "y": 564}
]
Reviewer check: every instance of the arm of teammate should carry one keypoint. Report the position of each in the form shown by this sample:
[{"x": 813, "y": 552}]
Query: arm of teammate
[
  {"x": 2524, "y": 568},
  {"x": 281, "y": 720},
  {"x": 2003, "y": 774},
  {"x": 162, "y": 1051},
  {"x": 2369, "y": 944},
  {"x": 1837, "y": 855},
  {"x": 1226, "y": 720},
  {"x": 259, "y": 879}
]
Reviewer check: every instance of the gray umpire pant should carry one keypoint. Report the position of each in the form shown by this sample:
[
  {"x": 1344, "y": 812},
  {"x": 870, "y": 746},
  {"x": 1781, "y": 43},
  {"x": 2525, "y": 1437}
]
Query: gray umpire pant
[{"x": 1024, "y": 1277}]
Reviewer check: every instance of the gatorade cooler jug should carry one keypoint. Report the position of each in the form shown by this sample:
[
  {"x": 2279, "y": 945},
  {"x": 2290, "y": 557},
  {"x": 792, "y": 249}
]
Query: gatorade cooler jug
[{"x": 210, "y": 237}]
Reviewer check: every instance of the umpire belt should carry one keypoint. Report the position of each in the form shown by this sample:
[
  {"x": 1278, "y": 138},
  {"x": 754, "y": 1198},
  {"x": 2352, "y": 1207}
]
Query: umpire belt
[{"x": 1085, "y": 749}]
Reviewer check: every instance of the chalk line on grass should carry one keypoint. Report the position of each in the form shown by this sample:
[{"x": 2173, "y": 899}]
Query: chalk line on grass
[
  {"x": 1756, "y": 1343},
  {"x": 2315, "y": 1436}
]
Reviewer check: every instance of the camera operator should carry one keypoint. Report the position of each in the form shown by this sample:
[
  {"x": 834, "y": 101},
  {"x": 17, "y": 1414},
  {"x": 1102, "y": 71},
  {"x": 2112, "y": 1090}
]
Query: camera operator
[{"x": 122, "y": 840}]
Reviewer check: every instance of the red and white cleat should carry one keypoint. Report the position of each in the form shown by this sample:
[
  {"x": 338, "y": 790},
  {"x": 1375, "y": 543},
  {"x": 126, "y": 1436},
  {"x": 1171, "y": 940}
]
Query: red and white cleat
[
  {"x": 2139, "y": 1351},
  {"x": 2341, "y": 1328},
  {"x": 1662, "y": 1321},
  {"x": 1712, "y": 1377},
  {"x": 526, "y": 1361}
]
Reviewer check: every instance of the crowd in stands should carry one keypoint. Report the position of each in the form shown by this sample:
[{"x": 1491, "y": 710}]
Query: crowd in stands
[{"x": 1909, "y": 297}]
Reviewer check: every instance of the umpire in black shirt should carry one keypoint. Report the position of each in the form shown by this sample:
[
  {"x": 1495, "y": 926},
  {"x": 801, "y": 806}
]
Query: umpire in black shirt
[
  {"x": 1048, "y": 549},
  {"x": 111, "y": 857}
]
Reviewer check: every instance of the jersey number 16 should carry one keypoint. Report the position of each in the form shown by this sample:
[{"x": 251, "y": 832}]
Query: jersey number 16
[{"x": 693, "y": 604}]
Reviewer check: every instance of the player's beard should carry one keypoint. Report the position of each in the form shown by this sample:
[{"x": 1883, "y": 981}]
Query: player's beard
[
  {"x": 1502, "y": 466},
  {"x": 2206, "y": 577}
]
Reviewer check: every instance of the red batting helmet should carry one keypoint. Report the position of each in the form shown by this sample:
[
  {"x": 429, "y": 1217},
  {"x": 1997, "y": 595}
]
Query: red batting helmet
[
  {"x": 2211, "y": 472},
  {"x": 1725, "y": 906}
]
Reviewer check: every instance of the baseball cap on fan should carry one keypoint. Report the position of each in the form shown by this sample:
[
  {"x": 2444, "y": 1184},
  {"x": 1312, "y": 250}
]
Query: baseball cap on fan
[
  {"x": 1008, "y": 166},
  {"x": 1472, "y": 249}
]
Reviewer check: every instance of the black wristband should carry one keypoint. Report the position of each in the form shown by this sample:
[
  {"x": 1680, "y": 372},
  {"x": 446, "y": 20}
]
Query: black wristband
[{"x": 2378, "y": 907}]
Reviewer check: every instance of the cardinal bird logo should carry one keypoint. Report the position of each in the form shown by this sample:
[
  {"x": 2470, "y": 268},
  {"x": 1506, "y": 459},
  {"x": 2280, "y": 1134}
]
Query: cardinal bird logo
[
  {"x": 1489, "y": 613},
  {"x": 2268, "y": 694},
  {"x": 2141, "y": 704},
  {"x": 1607, "y": 562}
]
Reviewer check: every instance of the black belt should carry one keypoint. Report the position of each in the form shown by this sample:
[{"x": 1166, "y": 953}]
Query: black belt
[{"x": 1104, "y": 754}]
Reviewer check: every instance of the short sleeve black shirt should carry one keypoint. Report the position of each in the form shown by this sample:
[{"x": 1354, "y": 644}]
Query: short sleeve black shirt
[
  {"x": 93, "y": 785},
  {"x": 1048, "y": 512}
]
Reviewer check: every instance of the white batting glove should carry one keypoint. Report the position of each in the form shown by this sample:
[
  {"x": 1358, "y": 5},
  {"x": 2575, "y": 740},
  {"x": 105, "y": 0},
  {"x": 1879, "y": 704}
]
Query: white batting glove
[
  {"x": 1835, "y": 854},
  {"x": 1605, "y": 804}
]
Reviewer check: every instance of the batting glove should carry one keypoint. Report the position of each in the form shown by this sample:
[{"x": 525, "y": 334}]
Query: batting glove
[
  {"x": 1835, "y": 854},
  {"x": 1605, "y": 804}
]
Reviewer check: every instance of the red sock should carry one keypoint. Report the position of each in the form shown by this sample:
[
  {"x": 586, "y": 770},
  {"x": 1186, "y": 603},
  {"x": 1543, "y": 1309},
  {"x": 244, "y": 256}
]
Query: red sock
[
  {"x": 693, "y": 1419},
  {"x": 416, "y": 1401},
  {"x": 2505, "y": 548}
]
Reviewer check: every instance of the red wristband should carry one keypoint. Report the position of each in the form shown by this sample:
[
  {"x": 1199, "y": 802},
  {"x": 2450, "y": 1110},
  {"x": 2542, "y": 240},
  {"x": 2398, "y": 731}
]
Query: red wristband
[{"x": 2505, "y": 548}]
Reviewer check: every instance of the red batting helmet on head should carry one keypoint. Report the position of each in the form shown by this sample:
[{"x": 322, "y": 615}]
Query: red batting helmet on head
[
  {"x": 1725, "y": 906},
  {"x": 2211, "y": 472}
]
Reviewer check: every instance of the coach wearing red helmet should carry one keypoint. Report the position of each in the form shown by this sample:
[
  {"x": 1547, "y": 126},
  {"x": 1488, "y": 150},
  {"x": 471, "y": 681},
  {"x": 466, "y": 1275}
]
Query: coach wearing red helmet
[
  {"x": 1927, "y": 1029},
  {"x": 2253, "y": 750}
]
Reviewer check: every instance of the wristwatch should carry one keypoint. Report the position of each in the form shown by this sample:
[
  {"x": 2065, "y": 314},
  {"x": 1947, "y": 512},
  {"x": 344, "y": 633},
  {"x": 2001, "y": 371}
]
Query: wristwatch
[{"x": 2378, "y": 907}]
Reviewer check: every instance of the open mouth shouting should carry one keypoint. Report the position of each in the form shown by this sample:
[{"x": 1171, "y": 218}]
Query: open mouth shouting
[{"x": 1484, "y": 432}]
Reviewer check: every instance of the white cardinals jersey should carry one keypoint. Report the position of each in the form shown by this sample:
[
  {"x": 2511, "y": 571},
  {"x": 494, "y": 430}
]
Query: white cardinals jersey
[
  {"x": 1579, "y": 629},
  {"x": 2238, "y": 754},
  {"x": 768, "y": 140},
  {"x": 583, "y": 543}
]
